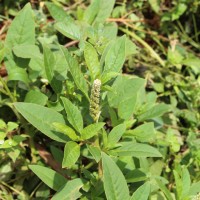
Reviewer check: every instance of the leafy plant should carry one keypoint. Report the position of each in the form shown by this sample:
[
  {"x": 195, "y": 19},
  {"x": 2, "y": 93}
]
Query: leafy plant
[{"x": 105, "y": 134}]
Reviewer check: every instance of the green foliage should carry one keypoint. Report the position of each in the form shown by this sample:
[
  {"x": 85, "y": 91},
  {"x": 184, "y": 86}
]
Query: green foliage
[{"x": 99, "y": 102}]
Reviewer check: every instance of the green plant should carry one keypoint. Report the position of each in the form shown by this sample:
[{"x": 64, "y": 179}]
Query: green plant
[{"x": 107, "y": 136}]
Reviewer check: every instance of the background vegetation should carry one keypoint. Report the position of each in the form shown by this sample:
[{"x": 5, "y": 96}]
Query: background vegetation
[{"x": 145, "y": 53}]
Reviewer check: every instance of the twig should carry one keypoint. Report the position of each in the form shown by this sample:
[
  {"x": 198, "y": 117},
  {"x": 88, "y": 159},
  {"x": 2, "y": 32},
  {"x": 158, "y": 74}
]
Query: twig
[
  {"x": 123, "y": 20},
  {"x": 69, "y": 44}
]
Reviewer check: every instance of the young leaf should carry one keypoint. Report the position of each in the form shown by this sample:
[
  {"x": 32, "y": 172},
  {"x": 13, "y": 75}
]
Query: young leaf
[
  {"x": 65, "y": 130},
  {"x": 115, "y": 135},
  {"x": 70, "y": 191},
  {"x": 95, "y": 151},
  {"x": 75, "y": 71},
  {"x": 49, "y": 63},
  {"x": 91, "y": 130},
  {"x": 142, "y": 193},
  {"x": 73, "y": 114},
  {"x": 137, "y": 150},
  {"x": 21, "y": 31},
  {"x": 115, "y": 57},
  {"x": 92, "y": 61},
  {"x": 69, "y": 29},
  {"x": 91, "y": 12},
  {"x": 114, "y": 182},
  {"x": 51, "y": 178},
  {"x": 42, "y": 118},
  {"x": 105, "y": 9},
  {"x": 57, "y": 12},
  {"x": 71, "y": 154}
]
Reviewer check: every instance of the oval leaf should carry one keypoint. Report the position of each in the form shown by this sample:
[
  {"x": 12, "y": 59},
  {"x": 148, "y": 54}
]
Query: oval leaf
[
  {"x": 115, "y": 57},
  {"x": 51, "y": 178},
  {"x": 70, "y": 191},
  {"x": 114, "y": 181},
  {"x": 65, "y": 130},
  {"x": 42, "y": 118},
  {"x": 91, "y": 130},
  {"x": 73, "y": 114},
  {"x": 115, "y": 135},
  {"x": 142, "y": 193},
  {"x": 92, "y": 61},
  {"x": 137, "y": 150},
  {"x": 71, "y": 154}
]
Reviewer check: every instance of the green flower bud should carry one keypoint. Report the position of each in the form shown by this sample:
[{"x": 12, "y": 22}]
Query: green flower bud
[{"x": 95, "y": 100}]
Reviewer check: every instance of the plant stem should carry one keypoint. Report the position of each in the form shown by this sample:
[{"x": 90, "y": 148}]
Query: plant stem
[
  {"x": 152, "y": 52},
  {"x": 11, "y": 188},
  {"x": 7, "y": 90}
]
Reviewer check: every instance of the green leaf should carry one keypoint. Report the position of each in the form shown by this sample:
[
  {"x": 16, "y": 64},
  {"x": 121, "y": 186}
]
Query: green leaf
[
  {"x": 50, "y": 177},
  {"x": 57, "y": 12},
  {"x": 157, "y": 111},
  {"x": 155, "y": 5},
  {"x": 95, "y": 151},
  {"x": 21, "y": 31},
  {"x": 125, "y": 95},
  {"x": 71, "y": 154},
  {"x": 91, "y": 12},
  {"x": 124, "y": 87},
  {"x": 131, "y": 48},
  {"x": 178, "y": 11},
  {"x": 164, "y": 189},
  {"x": 137, "y": 150},
  {"x": 75, "y": 71},
  {"x": 91, "y": 130},
  {"x": 186, "y": 182},
  {"x": 73, "y": 114},
  {"x": 115, "y": 135},
  {"x": 142, "y": 193},
  {"x": 65, "y": 130},
  {"x": 114, "y": 182},
  {"x": 106, "y": 77},
  {"x": 49, "y": 63},
  {"x": 2, "y": 50},
  {"x": 193, "y": 62},
  {"x": 194, "y": 188},
  {"x": 98, "y": 11},
  {"x": 18, "y": 74},
  {"x": 27, "y": 51},
  {"x": 135, "y": 175},
  {"x": 57, "y": 153},
  {"x": 70, "y": 190},
  {"x": 143, "y": 133},
  {"x": 105, "y": 9},
  {"x": 92, "y": 61},
  {"x": 69, "y": 29},
  {"x": 115, "y": 57},
  {"x": 37, "y": 97},
  {"x": 42, "y": 118}
]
